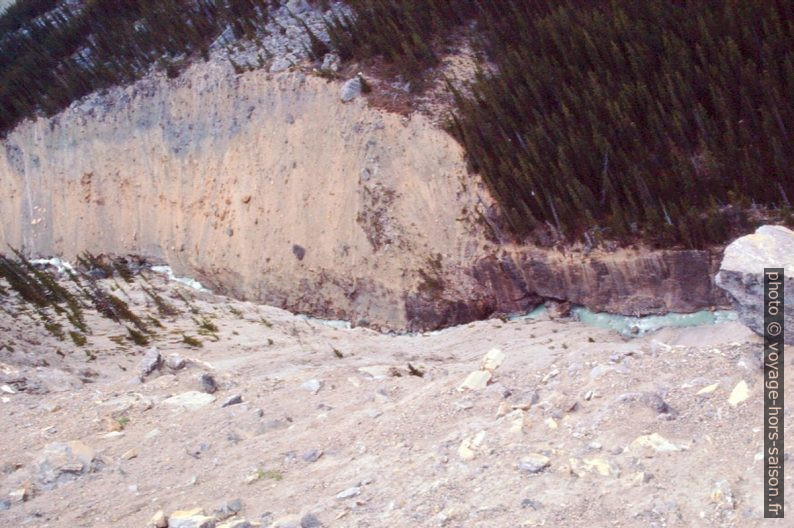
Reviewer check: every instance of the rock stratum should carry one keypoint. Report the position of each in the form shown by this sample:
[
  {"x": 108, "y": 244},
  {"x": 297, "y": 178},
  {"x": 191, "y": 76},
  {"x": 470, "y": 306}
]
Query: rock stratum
[{"x": 268, "y": 187}]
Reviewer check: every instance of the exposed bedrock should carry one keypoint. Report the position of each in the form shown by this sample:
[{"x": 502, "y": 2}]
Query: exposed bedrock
[
  {"x": 269, "y": 188},
  {"x": 742, "y": 275}
]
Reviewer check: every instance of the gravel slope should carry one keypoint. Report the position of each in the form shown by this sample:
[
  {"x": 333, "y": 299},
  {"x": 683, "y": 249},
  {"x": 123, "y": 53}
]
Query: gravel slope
[{"x": 578, "y": 426}]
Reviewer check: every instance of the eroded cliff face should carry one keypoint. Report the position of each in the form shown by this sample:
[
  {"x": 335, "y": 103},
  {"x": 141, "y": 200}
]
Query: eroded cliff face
[{"x": 267, "y": 187}]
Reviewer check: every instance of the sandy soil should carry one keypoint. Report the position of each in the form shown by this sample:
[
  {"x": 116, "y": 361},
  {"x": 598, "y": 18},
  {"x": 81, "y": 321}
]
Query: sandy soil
[{"x": 410, "y": 450}]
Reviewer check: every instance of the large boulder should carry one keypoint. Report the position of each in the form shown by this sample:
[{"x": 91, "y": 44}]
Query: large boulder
[
  {"x": 61, "y": 462},
  {"x": 742, "y": 269}
]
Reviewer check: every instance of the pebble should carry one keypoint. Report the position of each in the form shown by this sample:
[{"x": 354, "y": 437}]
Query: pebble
[
  {"x": 469, "y": 446},
  {"x": 310, "y": 521},
  {"x": 5, "y": 504},
  {"x": 236, "y": 523},
  {"x": 377, "y": 372},
  {"x": 534, "y": 463},
  {"x": 553, "y": 374},
  {"x": 739, "y": 393},
  {"x": 349, "y": 493},
  {"x": 21, "y": 494},
  {"x": 464, "y": 405},
  {"x": 601, "y": 466},
  {"x": 723, "y": 495},
  {"x": 651, "y": 399},
  {"x": 330, "y": 62},
  {"x": 312, "y": 455},
  {"x": 708, "y": 389},
  {"x": 312, "y": 385},
  {"x": 129, "y": 455},
  {"x": 529, "y": 503},
  {"x": 229, "y": 509},
  {"x": 518, "y": 421},
  {"x": 492, "y": 360},
  {"x": 110, "y": 424},
  {"x": 287, "y": 521},
  {"x": 476, "y": 380},
  {"x": 351, "y": 89},
  {"x": 175, "y": 362},
  {"x": 233, "y": 400},
  {"x": 654, "y": 442},
  {"x": 191, "y": 400},
  {"x": 208, "y": 384},
  {"x": 526, "y": 400},
  {"x": 194, "y": 518},
  {"x": 151, "y": 434},
  {"x": 599, "y": 370},
  {"x": 158, "y": 520}
]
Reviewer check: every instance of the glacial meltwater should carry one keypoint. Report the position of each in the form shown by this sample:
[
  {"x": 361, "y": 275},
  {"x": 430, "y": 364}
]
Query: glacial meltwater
[{"x": 637, "y": 326}]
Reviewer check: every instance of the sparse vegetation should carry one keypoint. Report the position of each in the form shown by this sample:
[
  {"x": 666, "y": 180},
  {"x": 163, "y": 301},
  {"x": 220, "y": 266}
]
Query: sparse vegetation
[
  {"x": 123, "y": 421},
  {"x": 54, "y": 53},
  {"x": 137, "y": 337},
  {"x": 205, "y": 325},
  {"x": 263, "y": 474},
  {"x": 77, "y": 338},
  {"x": 191, "y": 341},
  {"x": 58, "y": 304}
]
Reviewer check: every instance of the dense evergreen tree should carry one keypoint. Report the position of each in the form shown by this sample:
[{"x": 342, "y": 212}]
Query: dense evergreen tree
[{"x": 612, "y": 119}]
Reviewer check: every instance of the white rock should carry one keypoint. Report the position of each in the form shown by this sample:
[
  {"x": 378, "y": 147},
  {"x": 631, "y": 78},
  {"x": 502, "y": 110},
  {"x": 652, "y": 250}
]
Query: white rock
[
  {"x": 175, "y": 362},
  {"x": 739, "y": 393},
  {"x": 349, "y": 493},
  {"x": 469, "y": 446},
  {"x": 708, "y": 389},
  {"x": 312, "y": 385},
  {"x": 476, "y": 380},
  {"x": 191, "y": 400},
  {"x": 493, "y": 360},
  {"x": 158, "y": 520},
  {"x": 654, "y": 442}
]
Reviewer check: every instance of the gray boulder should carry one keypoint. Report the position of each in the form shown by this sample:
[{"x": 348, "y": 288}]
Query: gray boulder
[
  {"x": 351, "y": 89},
  {"x": 61, "y": 462},
  {"x": 150, "y": 362},
  {"x": 742, "y": 269}
]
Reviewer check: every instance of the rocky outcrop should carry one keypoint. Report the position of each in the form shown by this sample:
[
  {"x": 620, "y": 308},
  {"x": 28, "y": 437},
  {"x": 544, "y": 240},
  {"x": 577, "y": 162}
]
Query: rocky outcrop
[
  {"x": 630, "y": 282},
  {"x": 742, "y": 274},
  {"x": 267, "y": 187}
]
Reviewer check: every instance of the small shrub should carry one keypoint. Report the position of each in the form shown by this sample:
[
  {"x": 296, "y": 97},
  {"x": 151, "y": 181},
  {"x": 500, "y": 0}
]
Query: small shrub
[{"x": 191, "y": 341}]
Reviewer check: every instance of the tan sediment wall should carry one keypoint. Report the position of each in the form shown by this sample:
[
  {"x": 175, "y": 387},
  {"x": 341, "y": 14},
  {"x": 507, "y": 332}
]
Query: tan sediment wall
[{"x": 268, "y": 187}]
